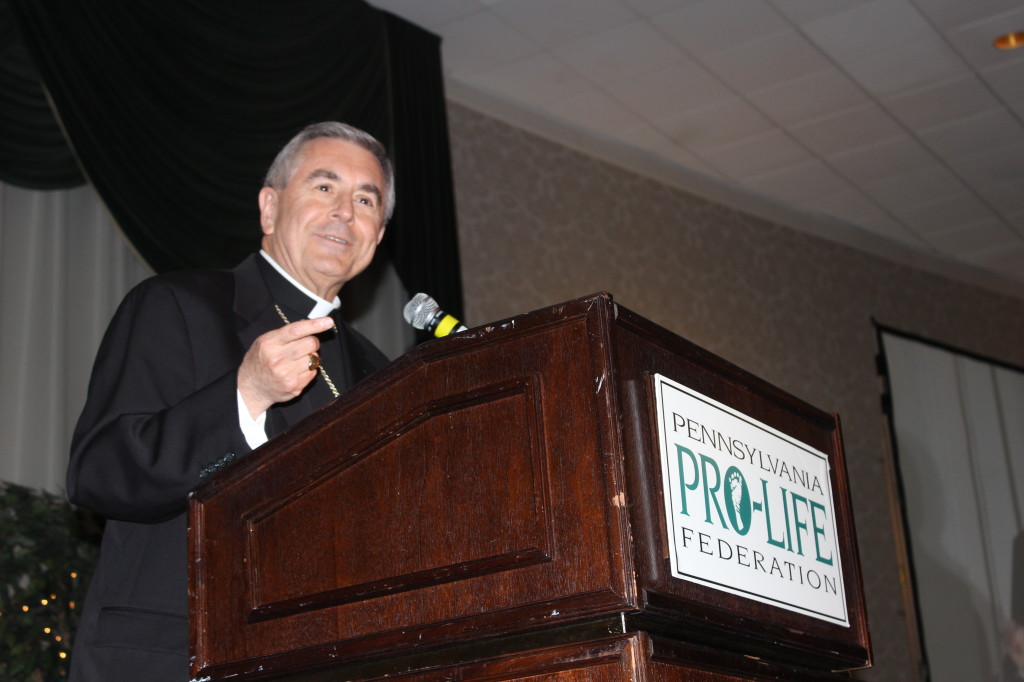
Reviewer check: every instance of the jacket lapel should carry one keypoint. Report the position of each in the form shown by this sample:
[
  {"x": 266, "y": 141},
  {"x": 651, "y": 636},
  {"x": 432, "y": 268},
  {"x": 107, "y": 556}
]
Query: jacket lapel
[
  {"x": 255, "y": 315},
  {"x": 359, "y": 365}
]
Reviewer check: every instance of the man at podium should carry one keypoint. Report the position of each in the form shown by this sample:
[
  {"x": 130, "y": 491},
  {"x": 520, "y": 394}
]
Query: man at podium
[{"x": 198, "y": 368}]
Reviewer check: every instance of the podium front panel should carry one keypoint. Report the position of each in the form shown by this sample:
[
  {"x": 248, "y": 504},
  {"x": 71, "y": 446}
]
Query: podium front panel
[{"x": 467, "y": 493}]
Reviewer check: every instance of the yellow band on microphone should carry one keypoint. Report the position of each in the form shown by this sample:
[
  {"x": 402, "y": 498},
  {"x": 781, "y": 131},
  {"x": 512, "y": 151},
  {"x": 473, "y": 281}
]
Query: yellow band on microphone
[{"x": 445, "y": 326}]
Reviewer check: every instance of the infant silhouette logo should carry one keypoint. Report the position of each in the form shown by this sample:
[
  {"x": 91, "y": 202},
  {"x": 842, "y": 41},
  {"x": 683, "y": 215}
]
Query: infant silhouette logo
[{"x": 739, "y": 509}]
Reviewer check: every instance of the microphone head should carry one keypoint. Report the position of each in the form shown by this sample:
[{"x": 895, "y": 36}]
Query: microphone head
[{"x": 420, "y": 310}]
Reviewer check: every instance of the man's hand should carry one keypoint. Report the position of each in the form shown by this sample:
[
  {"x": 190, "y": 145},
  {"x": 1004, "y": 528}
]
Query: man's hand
[{"x": 275, "y": 369}]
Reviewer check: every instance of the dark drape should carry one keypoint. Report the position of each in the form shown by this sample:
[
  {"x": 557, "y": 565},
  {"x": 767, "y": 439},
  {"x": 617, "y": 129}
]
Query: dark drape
[
  {"x": 33, "y": 153},
  {"x": 420, "y": 134},
  {"x": 175, "y": 110}
]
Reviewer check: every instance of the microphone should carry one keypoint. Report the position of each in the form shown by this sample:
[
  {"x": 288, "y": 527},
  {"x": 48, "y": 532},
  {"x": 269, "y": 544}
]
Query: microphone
[{"x": 422, "y": 312}]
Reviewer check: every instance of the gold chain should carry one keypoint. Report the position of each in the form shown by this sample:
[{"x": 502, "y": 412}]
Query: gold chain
[{"x": 323, "y": 372}]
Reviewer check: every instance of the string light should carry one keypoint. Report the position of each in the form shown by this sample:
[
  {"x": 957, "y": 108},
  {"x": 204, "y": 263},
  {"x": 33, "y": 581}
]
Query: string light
[
  {"x": 44, "y": 615},
  {"x": 52, "y": 631}
]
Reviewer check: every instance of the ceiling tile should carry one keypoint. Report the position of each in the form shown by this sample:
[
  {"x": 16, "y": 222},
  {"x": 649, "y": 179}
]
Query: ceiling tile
[
  {"x": 702, "y": 28},
  {"x": 483, "y": 42},
  {"x": 600, "y": 57},
  {"x": 937, "y": 104},
  {"x": 975, "y": 238},
  {"x": 974, "y": 40},
  {"x": 652, "y": 140},
  {"x": 671, "y": 89},
  {"x": 814, "y": 96},
  {"x": 756, "y": 155},
  {"x": 775, "y": 59},
  {"x": 1016, "y": 221},
  {"x": 867, "y": 28},
  {"x": 649, "y": 138},
  {"x": 946, "y": 213},
  {"x": 949, "y": 14},
  {"x": 556, "y": 23},
  {"x": 858, "y": 128},
  {"x": 889, "y": 157},
  {"x": 887, "y": 227},
  {"x": 713, "y": 126},
  {"x": 909, "y": 65},
  {"x": 991, "y": 131},
  {"x": 916, "y": 187},
  {"x": 1007, "y": 83},
  {"x": 596, "y": 111},
  {"x": 848, "y": 205},
  {"x": 537, "y": 81},
  {"x": 798, "y": 183},
  {"x": 651, "y": 7},
  {"x": 844, "y": 204},
  {"x": 1004, "y": 166},
  {"x": 690, "y": 162},
  {"x": 802, "y": 11},
  {"x": 1006, "y": 197}
]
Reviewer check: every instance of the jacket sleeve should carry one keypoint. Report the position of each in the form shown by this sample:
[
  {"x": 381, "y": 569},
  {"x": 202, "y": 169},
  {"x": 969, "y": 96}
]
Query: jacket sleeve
[{"x": 161, "y": 409}]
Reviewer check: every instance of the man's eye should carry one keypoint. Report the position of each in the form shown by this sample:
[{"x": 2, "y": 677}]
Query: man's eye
[
  {"x": 365, "y": 200},
  {"x": 324, "y": 188}
]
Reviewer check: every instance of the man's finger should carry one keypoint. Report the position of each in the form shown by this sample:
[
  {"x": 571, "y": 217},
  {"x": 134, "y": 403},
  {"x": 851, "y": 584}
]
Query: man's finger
[{"x": 301, "y": 328}]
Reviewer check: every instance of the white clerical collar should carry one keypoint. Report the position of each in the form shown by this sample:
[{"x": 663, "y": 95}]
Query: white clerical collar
[{"x": 322, "y": 308}]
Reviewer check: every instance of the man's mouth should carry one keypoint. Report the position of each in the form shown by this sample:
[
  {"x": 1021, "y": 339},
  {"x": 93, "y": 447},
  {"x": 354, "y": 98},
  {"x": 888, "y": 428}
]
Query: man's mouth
[{"x": 337, "y": 240}]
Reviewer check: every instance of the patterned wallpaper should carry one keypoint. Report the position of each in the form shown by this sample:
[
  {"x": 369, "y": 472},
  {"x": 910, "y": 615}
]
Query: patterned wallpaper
[{"x": 540, "y": 223}]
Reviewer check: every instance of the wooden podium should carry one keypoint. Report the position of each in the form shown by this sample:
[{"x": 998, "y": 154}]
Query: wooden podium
[{"x": 490, "y": 506}]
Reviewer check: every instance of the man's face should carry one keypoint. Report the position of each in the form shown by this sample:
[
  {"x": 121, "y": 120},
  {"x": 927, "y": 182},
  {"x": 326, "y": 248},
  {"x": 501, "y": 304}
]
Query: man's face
[{"x": 324, "y": 227}]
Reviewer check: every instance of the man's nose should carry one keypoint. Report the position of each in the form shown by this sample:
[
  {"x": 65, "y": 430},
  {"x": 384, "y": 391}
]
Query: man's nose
[{"x": 343, "y": 209}]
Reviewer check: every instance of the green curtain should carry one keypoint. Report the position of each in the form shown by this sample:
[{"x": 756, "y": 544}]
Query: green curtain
[{"x": 175, "y": 110}]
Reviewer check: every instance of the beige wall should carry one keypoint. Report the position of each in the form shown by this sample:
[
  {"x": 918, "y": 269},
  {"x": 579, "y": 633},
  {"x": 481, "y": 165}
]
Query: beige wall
[{"x": 539, "y": 224}]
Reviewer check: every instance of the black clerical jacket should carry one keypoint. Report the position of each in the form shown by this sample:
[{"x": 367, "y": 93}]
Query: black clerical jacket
[{"x": 161, "y": 414}]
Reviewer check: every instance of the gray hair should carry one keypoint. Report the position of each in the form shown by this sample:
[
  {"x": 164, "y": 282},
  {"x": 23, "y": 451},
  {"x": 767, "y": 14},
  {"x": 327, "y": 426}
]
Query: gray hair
[{"x": 284, "y": 164}]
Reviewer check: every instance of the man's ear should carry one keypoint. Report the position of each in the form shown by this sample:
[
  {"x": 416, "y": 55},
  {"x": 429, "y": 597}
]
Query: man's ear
[
  {"x": 268, "y": 209},
  {"x": 380, "y": 234}
]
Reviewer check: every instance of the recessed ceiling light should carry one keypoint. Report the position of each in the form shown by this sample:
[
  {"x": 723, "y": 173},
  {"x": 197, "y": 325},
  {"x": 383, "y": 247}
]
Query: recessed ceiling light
[{"x": 1010, "y": 41}]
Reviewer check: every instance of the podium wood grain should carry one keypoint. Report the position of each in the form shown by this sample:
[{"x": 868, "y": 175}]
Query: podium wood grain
[{"x": 485, "y": 488}]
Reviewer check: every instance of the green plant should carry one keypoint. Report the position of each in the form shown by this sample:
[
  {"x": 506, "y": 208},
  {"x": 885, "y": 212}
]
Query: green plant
[{"x": 48, "y": 554}]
